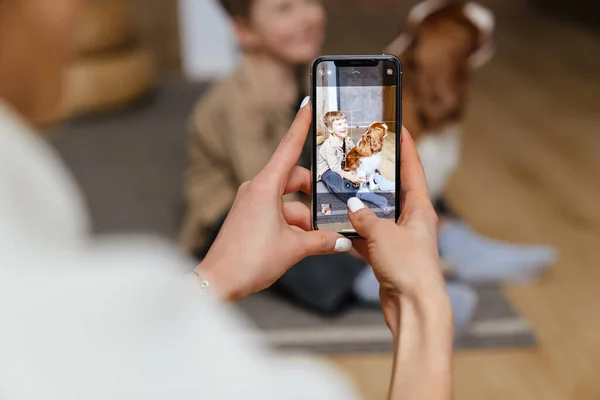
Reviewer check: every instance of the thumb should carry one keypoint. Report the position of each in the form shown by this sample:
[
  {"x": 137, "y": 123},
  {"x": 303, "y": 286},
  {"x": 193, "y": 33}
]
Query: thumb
[
  {"x": 362, "y": 218},
  {"x": 323, "y": 242}
]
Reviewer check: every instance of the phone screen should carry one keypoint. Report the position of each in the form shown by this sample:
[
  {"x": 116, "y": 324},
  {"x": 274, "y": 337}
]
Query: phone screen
[{"x": 356, "y": 111}]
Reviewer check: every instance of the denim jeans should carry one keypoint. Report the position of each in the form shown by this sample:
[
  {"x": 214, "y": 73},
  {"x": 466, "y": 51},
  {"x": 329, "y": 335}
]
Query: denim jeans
[
  {"x": 384, "y": 184},
  {"x": 376, "y": 199},
  {"x": 339, "y": 186},
  {"x": 344, "y": 190}
]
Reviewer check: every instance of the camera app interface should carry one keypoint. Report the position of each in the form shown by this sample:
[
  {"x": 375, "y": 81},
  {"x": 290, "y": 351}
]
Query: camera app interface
[{"x": 356, "y": 133}]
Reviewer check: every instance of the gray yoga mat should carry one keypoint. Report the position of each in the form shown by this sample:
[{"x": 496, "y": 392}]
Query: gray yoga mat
[{"x": 362, "y": 329}]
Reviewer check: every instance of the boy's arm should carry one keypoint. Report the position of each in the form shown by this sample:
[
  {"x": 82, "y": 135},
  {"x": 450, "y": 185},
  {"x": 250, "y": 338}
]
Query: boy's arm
[{"x": 207, "y": 198}]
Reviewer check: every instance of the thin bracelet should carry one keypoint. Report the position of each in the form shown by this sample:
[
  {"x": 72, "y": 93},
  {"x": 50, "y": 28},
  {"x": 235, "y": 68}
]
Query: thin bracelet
[{"x": 204, "y": 284}]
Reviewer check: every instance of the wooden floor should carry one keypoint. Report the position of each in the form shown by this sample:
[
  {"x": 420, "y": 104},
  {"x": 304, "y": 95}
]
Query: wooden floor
[{"x": 531, "y": 173}]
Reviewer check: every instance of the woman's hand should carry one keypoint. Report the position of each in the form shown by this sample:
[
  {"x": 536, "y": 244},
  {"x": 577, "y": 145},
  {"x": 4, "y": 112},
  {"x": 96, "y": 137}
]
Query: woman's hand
[
  {"x": 404, "y": 257},
  {"x": 263, "y": 236}
]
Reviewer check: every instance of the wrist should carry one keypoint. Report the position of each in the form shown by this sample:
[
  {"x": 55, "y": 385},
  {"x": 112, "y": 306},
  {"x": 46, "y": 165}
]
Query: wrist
[
  {"x": 426, "y": 284},
  {"x": 423, "y": 347},
  {"x": 427, "y": 294},
  {"x": 425, "y": 307},
  {"x": 429, "y": 313},
  {"x": 216, "y": 276}
]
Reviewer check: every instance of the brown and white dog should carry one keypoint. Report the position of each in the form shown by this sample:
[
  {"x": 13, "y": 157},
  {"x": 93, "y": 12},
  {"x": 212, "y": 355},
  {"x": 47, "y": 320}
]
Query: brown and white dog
[
  {"x": 366, "y": 156},
  {"x": 442, "y": 42}
]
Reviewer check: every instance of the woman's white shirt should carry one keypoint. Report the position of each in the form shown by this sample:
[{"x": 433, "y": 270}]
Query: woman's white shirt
[{"x": 116, "y": 317}]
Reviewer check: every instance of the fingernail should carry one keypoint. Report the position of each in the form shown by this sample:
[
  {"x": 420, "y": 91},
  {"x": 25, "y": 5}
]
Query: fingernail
[
  {"x": 342, "y": 245},
  {"x": 305, "y": 102},
  {"x": 354, "y": 204}
]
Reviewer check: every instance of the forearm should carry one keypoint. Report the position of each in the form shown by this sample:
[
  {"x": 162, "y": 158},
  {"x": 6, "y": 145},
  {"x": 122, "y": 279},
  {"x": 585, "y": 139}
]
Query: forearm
[{"x": 423, "y": 348}]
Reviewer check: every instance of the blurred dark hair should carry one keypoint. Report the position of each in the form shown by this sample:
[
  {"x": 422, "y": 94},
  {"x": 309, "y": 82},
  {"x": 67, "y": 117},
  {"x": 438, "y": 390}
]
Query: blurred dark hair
[{"x": 237, "y": 8}]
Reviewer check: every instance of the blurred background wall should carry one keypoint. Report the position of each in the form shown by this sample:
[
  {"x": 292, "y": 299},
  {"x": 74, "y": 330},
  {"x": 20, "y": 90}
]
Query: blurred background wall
[
  {"x": 158, "y": 24},
  {"x": 207, "y": 42},
  {"x": 157, "y": 20},
  {"x": 206, "y": 34},
  {"x": 204, "y": 31}
]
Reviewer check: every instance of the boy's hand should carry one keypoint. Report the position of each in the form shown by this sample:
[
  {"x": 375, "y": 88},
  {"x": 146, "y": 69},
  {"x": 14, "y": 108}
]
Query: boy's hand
[
  {"x": 356, "y": 179},
  {"x": 263, "y": 236},
  {"x": 352, "y": 177}
]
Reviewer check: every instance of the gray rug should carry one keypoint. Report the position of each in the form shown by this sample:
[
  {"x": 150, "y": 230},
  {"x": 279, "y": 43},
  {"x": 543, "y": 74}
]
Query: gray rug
[
  {"x": 363, "y": 329},
  {"x": 129, "y": 165},
  {"x": 339, "y": 209}
]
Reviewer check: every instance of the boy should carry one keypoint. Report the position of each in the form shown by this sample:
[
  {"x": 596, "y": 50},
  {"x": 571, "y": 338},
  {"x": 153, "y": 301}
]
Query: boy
[
  {"x": 331, "y": 159},
  {"x": 236, "y": 127}
]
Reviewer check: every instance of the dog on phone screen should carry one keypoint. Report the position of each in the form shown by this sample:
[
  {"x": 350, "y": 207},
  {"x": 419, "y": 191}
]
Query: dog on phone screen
[
  {"x": 442, "y": 42},
  {"x": 366, "y": 156}
]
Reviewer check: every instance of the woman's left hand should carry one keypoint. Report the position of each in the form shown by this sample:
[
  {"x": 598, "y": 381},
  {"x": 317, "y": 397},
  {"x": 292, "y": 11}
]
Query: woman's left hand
[{"x": 263, "y": 236}]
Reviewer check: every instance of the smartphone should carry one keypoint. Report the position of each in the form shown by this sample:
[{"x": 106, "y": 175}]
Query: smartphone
[{"x": 357, "y": 106}]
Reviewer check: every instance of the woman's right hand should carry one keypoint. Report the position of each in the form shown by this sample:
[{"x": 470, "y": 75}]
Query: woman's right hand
[{"x": 404, "y": 256}]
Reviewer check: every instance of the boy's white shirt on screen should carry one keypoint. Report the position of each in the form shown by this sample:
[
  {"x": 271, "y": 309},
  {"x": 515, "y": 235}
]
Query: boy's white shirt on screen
[{"x": 90, "y": 318}]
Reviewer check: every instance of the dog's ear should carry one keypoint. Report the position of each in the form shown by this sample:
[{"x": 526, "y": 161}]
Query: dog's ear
[
  {"x": 374, "y": 139},
  {"x": 367, "y": 134},
  {"x": 483, "y": 19},
  {"x": 385, "y": 129},
  {"x": 363, "y": 147}
]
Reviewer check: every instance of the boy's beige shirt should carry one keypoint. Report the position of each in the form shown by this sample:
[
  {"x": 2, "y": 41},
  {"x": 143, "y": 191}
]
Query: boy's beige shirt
[
  {"x": 331, "y": 155},
  {"x": 233, "y": 131}
]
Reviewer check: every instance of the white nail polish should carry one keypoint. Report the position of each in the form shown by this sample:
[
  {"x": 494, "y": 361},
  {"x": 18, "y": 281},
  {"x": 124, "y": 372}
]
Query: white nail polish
[
  {"x": 305, "y": 101},
  {"x": 342, "y": 245},
  {"x": 354, "y": 204}
]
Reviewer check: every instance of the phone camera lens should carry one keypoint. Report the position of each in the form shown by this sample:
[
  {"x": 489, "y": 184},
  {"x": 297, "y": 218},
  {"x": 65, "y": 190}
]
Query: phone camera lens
[
  {"x": 321, "y": 72},
  {"x": 390, "y": 71}
]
